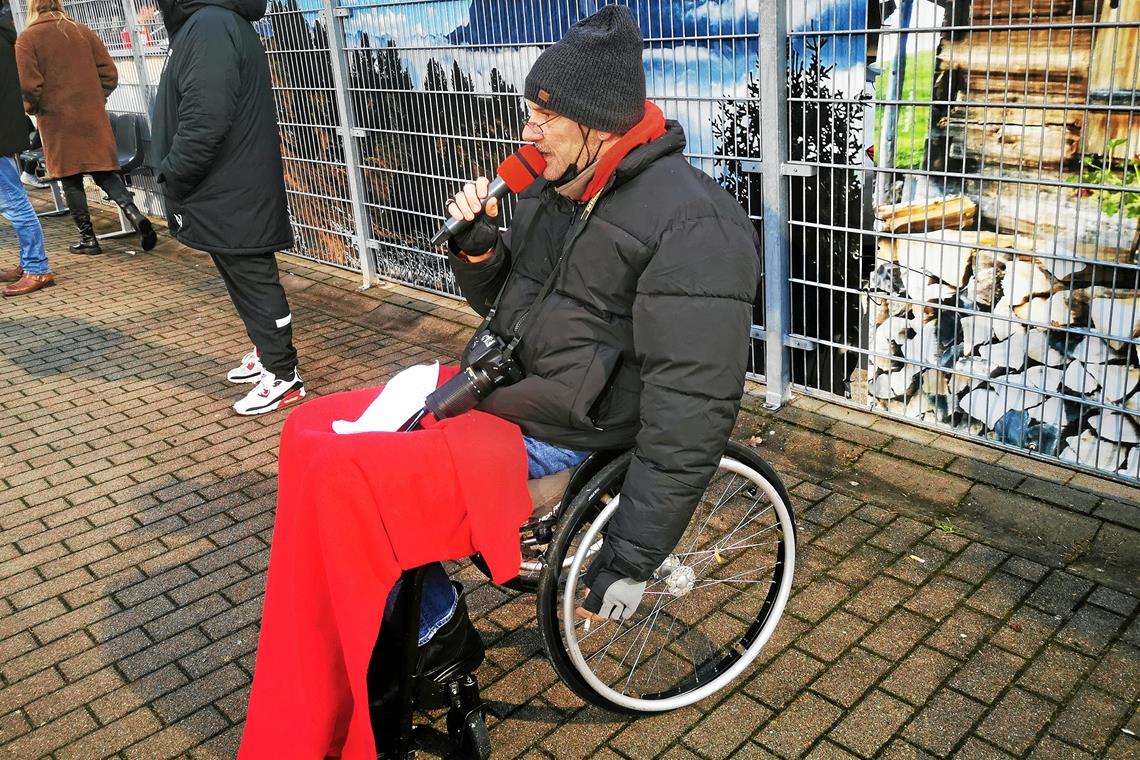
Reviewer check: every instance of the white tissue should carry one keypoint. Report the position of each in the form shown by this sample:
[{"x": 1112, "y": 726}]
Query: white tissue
[{"x": 402, "y": 397}]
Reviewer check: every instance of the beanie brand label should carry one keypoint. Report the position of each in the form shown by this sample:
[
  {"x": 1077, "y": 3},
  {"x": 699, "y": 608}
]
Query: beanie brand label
[{"x": 544, "y": 96}]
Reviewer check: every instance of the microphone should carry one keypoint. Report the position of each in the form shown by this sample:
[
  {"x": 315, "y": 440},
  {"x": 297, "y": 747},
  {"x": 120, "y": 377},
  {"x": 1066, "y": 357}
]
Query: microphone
[{"x": 514, "y": 175}]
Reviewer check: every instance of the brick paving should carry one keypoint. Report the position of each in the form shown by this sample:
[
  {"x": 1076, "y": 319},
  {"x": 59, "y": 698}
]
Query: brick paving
[{"x": 950, "y": 599}]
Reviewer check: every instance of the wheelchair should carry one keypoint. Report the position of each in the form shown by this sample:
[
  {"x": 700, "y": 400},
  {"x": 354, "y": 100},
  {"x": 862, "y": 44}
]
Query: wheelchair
[{"x": 708, "y": 610}]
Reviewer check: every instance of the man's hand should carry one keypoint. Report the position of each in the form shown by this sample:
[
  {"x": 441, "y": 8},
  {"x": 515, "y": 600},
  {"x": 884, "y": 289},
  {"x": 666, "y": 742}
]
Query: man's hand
[
  {"x": 611, "y": 596},
  {"x": 480, "y": 238},
  {"x": 619, "y": 601}
]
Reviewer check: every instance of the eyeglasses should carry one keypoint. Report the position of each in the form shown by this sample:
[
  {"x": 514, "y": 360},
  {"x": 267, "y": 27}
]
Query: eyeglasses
[{"x": 538, "y": 127}]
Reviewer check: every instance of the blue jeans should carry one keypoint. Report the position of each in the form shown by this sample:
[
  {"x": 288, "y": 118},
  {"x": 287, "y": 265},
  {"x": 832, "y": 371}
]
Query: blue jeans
[
  {"x": 439, "y": 599},
  {"x": 17, "y": 209}
]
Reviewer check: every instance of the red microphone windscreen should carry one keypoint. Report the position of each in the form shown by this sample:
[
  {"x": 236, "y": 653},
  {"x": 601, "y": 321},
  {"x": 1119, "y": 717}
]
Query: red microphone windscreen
[{"x": 522, "y": 167}]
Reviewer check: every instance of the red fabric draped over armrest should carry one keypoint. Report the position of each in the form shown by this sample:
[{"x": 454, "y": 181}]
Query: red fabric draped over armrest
[{"x": 353, "y": 512}]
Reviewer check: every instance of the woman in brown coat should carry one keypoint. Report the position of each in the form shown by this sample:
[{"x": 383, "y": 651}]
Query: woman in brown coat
[{"x": 66, "y": 75}]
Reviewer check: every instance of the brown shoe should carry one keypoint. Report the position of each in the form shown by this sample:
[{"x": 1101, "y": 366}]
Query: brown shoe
[
  {"x": 11, "y": 275},
  {"x": 29, "y": 283}
]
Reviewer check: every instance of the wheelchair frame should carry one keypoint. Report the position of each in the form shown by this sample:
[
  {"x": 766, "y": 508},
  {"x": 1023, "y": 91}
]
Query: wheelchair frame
[{"x": 465, "y": 721}]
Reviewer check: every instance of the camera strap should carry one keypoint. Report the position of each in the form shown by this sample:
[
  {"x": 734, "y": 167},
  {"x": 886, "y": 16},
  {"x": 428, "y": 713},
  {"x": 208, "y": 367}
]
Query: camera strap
[{"x": 548, "y": 286}]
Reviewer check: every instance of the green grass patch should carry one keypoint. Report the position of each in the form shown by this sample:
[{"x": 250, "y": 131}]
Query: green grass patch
[{"x": 913, "y": 120}]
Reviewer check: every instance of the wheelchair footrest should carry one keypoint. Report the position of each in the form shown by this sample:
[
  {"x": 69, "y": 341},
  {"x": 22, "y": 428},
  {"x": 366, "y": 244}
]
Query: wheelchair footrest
[{"x": 466, "y": 724}]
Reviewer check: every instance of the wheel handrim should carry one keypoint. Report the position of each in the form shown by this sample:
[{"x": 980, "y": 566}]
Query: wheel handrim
[{"x": 712, "y": 670}]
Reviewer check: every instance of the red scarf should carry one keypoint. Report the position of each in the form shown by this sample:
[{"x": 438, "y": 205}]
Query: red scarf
[{"x": 651, "y": 126}]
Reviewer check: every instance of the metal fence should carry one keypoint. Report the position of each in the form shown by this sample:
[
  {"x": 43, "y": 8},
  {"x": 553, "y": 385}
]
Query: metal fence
[{"x": 948, "y": 192}]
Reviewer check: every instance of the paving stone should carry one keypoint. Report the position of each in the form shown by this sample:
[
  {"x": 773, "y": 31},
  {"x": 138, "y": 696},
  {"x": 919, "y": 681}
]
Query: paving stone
[
  {"x": 937, "y": 598},
  {"x": 921, "y": 674},
  {"x": 1091, "y": 629},
  {"x": 829, "y": 639},
  {"x": 1015, "y": 722},
  {"x": 784, "y": 678},
  {"x": 1000, "y": 594},
  {"x": 976, "y": 749},
  {"x": 881, "y": 596},
  {"x": 900, "y": 535},
  {"x": 1119, "y": 672},
  {"x": 898, "y": 634},
  {"x": 1056, "y": 672},
  {"x": 581, "y": 737},
  {"x": 798, "y": 726},
  {"x": 962, "y": 632},
  {"x": 725, "y": 730},
  {"x": 861, "y": 565},
  {"x": 648, "y": 737},
  {"x": 872, "y": 723},
  {"x": 1090, "y": 719},
  {"x": 975, "y": 562},
  {"x": 1026, "y": 631},
  {"x": 847, "y": 680},
  {"x": 984, "y": 472},
  {"x": 919, "y": 564},
  {"x": 987, "y": 673},
  {"x": 942, "y": 723},
  {"x": 1060, "y": 593},
  {"x": 813, "y": 602},
  {"x": 844, "y": 537},
  {"x": 1114, "y": 601},
  {"x": 1051, "y": 748},
  {"x": 949, "y": 541},
  {"x": 832, "y": 509},
  {"x": 1125, "y": 746}
]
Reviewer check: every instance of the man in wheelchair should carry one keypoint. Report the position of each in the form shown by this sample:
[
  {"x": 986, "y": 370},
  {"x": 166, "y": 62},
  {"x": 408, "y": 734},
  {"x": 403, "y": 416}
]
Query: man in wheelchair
[{"x": 626, "y": 282}]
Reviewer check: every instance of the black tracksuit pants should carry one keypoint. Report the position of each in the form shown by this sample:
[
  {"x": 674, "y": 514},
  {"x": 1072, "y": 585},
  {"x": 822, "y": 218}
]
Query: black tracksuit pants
[{"x": 255, "y": 288}]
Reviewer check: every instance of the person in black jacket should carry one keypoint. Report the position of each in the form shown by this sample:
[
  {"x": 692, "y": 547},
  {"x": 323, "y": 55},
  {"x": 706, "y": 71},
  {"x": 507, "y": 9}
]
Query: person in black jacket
[
  {"x": 32, "y": 272},
  {"x": 629, "y": 277},
  {"x": 216, "y": 139}
]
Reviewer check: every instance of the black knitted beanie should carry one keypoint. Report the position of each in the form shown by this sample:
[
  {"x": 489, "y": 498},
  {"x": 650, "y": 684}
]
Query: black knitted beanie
[{"x": 594, "y": 74}]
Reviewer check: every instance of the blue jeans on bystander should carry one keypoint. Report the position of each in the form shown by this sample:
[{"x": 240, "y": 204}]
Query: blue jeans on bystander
[
  {"x": 437, "y": 604},
  {"x": 17, "y": 209}
]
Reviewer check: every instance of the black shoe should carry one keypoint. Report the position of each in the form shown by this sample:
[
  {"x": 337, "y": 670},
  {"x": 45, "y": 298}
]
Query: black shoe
[
  {"x": 88, "y": 244},
  {"x": 142, "y": 226},
  {"x": 453, "y": 652}
]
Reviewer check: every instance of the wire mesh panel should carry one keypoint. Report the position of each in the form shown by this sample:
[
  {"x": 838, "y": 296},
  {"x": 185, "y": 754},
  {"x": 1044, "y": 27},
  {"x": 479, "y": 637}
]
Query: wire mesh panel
[
  {"x": 981, "y": 276},
  {"x": 316, "y": 171},
  {"x": 435, "y": 92}
]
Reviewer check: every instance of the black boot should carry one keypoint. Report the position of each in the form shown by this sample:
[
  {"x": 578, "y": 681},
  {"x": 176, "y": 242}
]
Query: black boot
[
  {"x": 142, "y": 225},
  {"x": 88, "y": 244},
  {"x": 77, "y": 204},
  {"x": 452, "y": 653}
]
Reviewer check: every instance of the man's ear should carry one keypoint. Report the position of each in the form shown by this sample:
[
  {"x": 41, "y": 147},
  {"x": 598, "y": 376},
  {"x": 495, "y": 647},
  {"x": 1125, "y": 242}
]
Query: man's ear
[{"x": 607, "y": 137}]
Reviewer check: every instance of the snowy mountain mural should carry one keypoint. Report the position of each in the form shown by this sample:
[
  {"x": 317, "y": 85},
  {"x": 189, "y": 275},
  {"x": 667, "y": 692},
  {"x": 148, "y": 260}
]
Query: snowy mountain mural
[{"x": 695, "y": 49}]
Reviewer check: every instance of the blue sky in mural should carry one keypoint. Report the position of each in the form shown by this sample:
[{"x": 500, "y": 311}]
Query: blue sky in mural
[{"x": 698, "y": 51}]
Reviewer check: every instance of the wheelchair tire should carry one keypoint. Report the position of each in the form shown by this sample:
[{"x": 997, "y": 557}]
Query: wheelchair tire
[{"x": 707, "y": 612}]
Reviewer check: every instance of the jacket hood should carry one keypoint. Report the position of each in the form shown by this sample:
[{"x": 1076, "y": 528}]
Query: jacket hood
[
  {"x": 673, "y": 141},
  {"x": 175, "y": 13}
]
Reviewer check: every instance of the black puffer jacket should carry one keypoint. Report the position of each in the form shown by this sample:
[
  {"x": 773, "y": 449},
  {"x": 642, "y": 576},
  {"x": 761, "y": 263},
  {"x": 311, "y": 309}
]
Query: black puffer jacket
[
  {"x": 215, "y": 131},
  {"x": 14, "y": 125},
  {"x": 643, "y": 340}
]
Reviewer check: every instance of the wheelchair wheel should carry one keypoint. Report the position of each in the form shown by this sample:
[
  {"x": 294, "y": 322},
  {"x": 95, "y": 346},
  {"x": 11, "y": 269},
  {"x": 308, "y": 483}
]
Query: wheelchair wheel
[{"x": 708, "y": 610}]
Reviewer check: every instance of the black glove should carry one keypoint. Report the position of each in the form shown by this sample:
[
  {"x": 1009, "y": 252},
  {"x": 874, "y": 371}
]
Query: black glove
[{"x": 480, "y": 237}]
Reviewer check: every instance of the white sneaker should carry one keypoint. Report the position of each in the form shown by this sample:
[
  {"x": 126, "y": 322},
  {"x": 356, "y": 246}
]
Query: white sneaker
[
  {"x": 249, "y": 371},
  {"x": 32, "y": 180},
  {"x": 270, "y": 394}
]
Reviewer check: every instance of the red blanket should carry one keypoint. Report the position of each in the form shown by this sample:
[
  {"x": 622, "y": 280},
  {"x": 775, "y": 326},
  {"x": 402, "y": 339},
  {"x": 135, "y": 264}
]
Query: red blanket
[{"x": 353, "y": 511}]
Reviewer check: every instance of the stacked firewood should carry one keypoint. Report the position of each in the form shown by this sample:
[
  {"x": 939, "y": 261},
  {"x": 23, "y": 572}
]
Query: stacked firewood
[
  {"x": 987, "y": 333},
  {"x": 1023, "y": 72}
]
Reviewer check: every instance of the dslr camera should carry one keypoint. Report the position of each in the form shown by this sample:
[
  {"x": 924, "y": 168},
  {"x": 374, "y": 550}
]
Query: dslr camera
[{"x": 487, "y": 364}]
